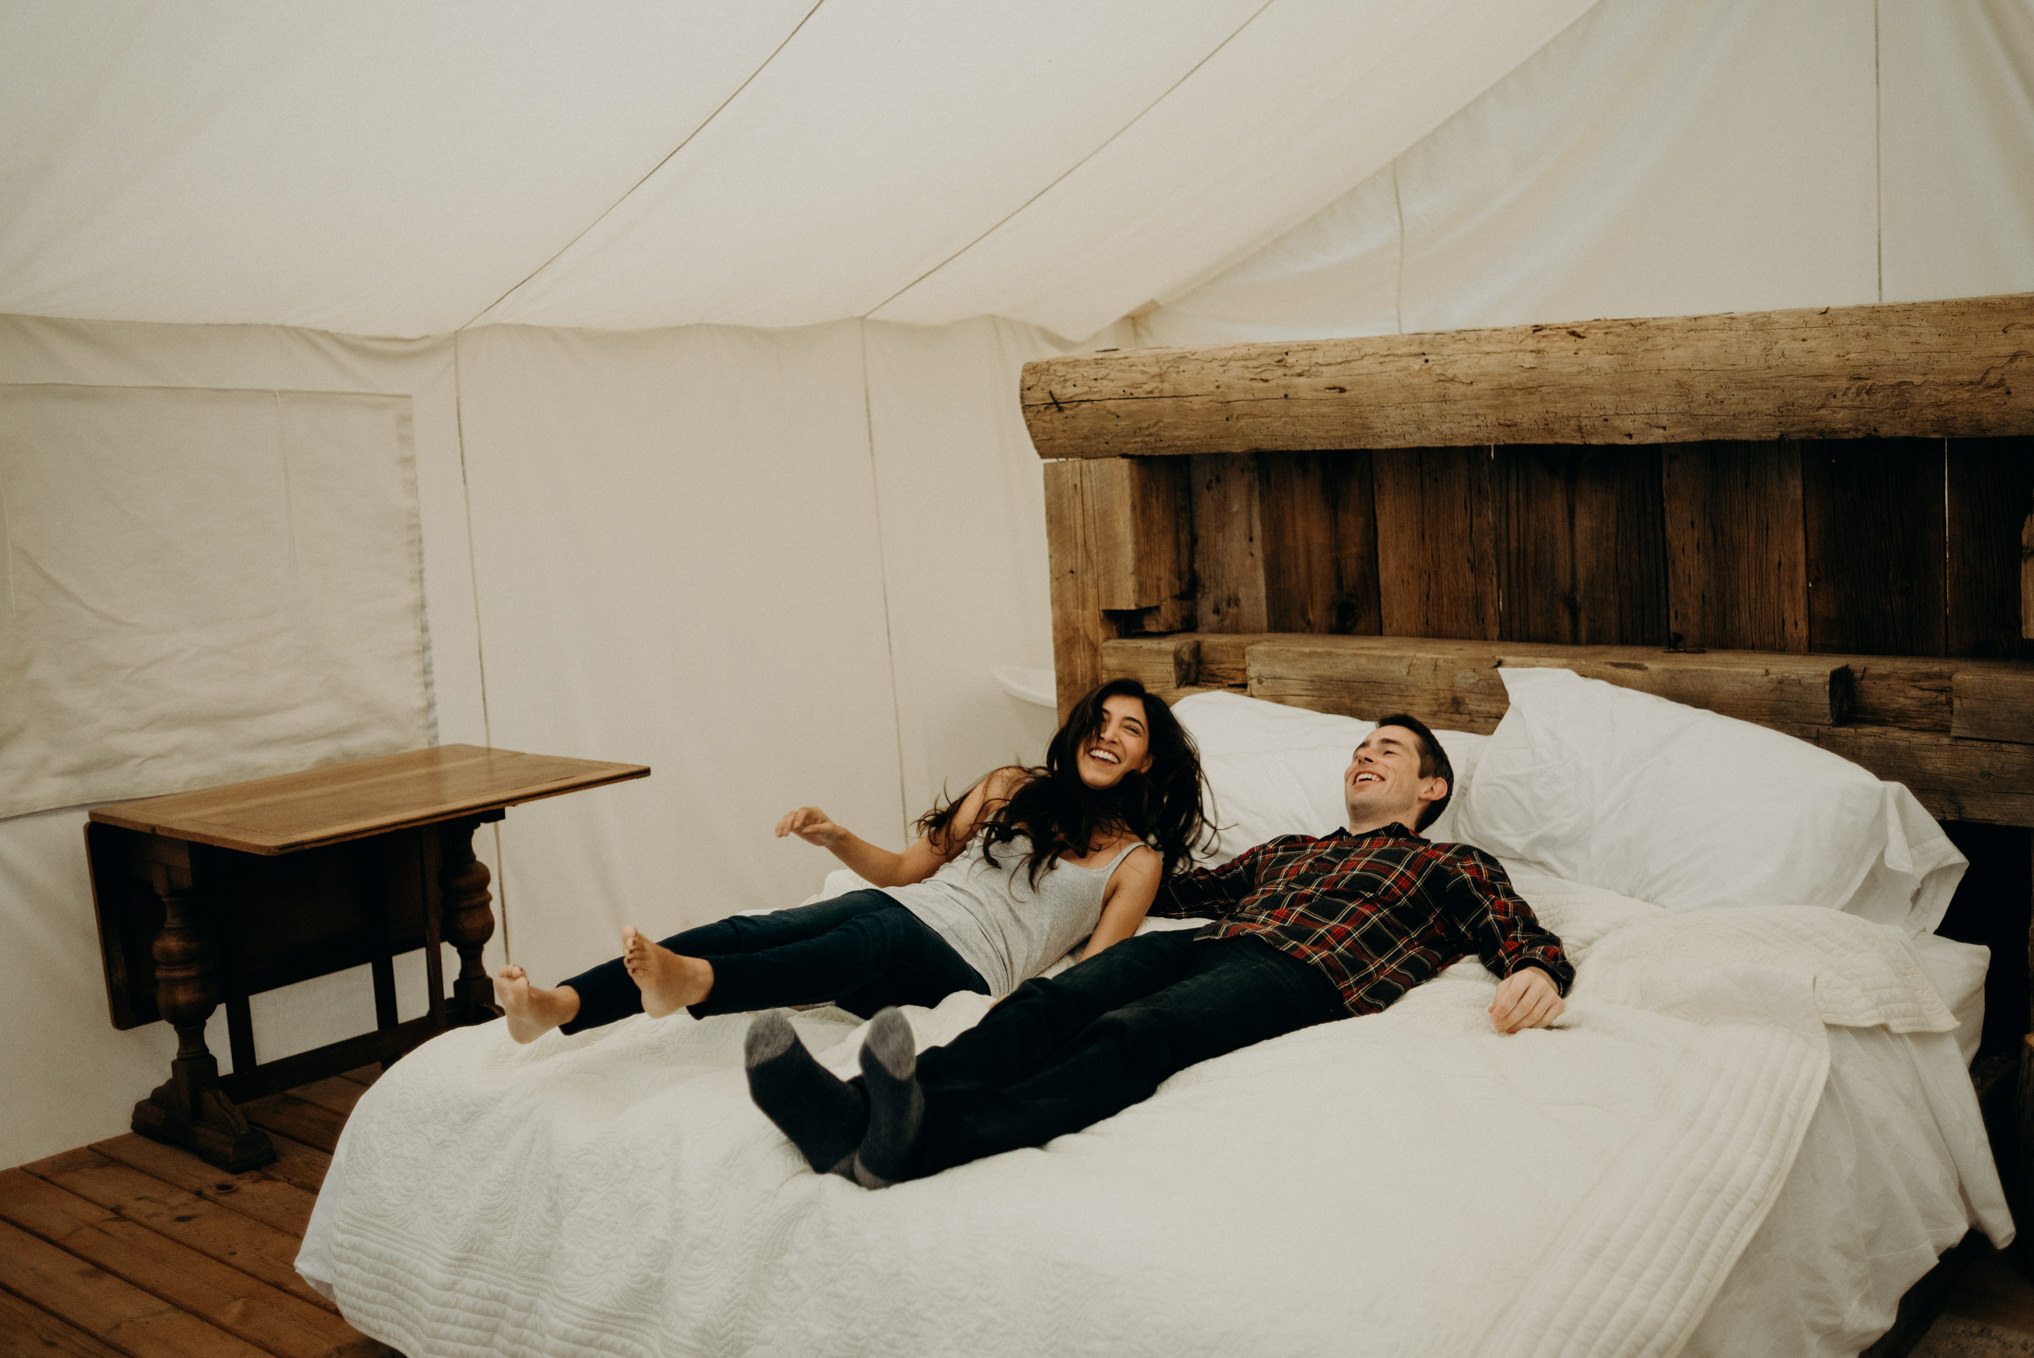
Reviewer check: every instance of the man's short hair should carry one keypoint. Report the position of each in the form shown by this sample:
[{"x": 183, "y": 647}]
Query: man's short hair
[{"x": 1433, "y": 763}]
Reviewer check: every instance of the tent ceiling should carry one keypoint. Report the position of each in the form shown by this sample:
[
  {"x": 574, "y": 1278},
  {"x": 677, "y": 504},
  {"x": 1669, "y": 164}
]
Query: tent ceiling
[{"x": 385, "y": 167}]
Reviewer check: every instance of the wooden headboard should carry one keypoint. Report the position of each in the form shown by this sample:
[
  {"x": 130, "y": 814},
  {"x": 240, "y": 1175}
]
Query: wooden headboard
[{"x": 1818, "y": 520}]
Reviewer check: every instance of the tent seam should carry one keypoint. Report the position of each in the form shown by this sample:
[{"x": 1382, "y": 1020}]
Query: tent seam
[
  {"x": 652, "y": 171},
  {"x": 7, "y": 552},
  {"x": 883, "y": 575},
  {"x": 501, "y": 892},
  {"x": 1398, "y": 206},
  {"x": 1878, "y": 157},
  {"x": 1061, "y": 177},
  {"x": 282, "y": 457}
]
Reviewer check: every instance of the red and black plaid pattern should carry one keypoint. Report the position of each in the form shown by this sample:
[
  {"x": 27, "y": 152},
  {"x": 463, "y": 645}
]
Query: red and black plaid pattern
[{"x": 1377, "y": 913}]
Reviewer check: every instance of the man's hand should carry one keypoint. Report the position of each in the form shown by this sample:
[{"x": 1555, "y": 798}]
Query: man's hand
[{"x": 1525, "y": 999}]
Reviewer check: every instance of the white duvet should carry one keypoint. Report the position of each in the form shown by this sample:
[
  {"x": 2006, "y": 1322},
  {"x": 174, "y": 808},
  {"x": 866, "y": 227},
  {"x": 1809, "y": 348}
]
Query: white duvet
[{"x": 1407, "y": 1182}]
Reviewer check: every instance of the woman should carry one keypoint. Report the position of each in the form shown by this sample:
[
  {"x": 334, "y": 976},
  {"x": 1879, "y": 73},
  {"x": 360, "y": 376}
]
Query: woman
[{"x": 997, "y": 886}]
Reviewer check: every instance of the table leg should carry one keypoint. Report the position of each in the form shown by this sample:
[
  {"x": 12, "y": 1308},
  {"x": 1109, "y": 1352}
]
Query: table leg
[
  {"x": 469, "y": 923},
  {"x": 190, "y": 1109}
]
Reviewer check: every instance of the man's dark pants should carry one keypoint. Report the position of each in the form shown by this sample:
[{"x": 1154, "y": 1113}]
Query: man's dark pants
[{"x": 1063, "y": 1053}]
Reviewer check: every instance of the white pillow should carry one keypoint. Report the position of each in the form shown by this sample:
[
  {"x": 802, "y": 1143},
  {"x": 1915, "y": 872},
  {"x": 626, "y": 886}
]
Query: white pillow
[
  {"x": 1687, "y": 808},
  {"x": 1277, "y": 770}
]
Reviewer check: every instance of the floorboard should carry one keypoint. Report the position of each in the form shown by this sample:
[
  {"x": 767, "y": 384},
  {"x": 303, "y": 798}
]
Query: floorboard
[
  {"x": 299, "y": 1119},
  {"x": 27, "y": 1329},
  {"x": 256, "y": 1194},
  {"x": 260, "y": 1250},
  {"x": 117, "y": 1313},
  {"x": 200, "y": 1284},
  {"x": 336, "y": 1094},
  {"x": 129, "y": 1247}
]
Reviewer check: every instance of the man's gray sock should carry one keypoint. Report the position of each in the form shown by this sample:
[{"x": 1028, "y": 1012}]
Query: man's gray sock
[
  {"x": 896, "y": 1104},
  {"x": 820, "y": 1112}
]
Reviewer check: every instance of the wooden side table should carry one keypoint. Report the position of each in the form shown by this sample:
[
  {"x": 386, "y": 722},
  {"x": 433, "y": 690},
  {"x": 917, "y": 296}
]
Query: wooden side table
[{"x": 228, "y": 892}]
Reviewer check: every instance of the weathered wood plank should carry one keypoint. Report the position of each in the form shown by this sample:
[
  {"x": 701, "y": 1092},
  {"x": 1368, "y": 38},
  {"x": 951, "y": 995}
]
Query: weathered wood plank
[
  {"x": 1737, "y": 557},
  {"x": 288, "y": 1115},
  {"x": 116, "y": 1313},
  {"x": 1875, "y": 546},
  {"x": 1960, "y": 368},
  {"x": 256, "y": 1194},
  {"x": 1349, "y": 483},
  {"x": 1296, "y": 536},
  {"x": 1581, "y": 549},
  {"x": 1137, "y": 526},
  {"x": 1918, "y": 693},
  {"x": 335, "y": 1092},
  {"x": 1994, "y": 704},
  {"x": 1078, "y": 627},
  {"x": 297, "y": 1164},
  {"x": 204, "y": 1223},
  {"x": 1436, "y": 544},
  {"x": 1162, "y": 664},
  {"x": 1318, "y": 542},
  {"x": 215, "y": 1292},
  {"x": 1984, "y": 781},
  {"x": 1457, "y": 681},
  {"x": 1452, "y": 685},
  {"x": 26, "y": 1330},
  {"x": 1225, "y": 660},
  {"x": 1911, "y": 692},
  {"x": 1991, "y": 494},
  {"x": 1227, "y": 551}
]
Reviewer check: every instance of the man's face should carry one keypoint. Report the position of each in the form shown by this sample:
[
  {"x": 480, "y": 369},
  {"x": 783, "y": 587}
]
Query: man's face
[{"x": 1383, "y": 784}]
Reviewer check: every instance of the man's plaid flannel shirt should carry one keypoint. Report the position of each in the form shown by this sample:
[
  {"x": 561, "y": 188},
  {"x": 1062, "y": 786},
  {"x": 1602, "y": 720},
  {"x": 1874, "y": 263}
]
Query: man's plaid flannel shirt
[{"x": 1377, "y": 913}]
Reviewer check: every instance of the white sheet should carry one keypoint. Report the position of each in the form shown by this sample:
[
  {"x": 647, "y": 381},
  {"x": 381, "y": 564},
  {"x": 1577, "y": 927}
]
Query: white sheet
[
  {"x": 616, "y": 1192},
  {"x": 1957, "y": 970}
]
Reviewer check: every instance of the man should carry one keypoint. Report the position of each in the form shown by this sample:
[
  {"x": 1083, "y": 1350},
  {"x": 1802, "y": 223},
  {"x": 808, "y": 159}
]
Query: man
[{"x": 1306, "y": 930}]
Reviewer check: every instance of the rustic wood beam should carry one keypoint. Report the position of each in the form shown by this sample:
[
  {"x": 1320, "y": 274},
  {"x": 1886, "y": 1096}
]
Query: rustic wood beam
[
  {"x": 1167, "y": 666},
  {"x": 1139, "y": 525},
  {"x": 1994, "y": 703},
  {"x": 1936, "y": 369},
  {"x": 1981, "y": 768},
  {"x": 1078, "y": 625},
  {"x": 1225, "y": 657},
  {"x": 1455, "y": 684},
  {"x": 1980, "y": 780},
  {"x": 1117, "y": 541}
]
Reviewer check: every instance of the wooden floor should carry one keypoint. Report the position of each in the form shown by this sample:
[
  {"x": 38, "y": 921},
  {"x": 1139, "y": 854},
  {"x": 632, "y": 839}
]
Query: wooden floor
[
  {"x": 128, "y": 1247},
  {"x": 136, "y": 1248}
]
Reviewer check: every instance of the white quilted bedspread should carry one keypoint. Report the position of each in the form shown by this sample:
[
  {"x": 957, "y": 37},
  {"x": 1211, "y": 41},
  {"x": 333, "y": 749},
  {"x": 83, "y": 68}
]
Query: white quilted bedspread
[{"x": 1403, "y": 1183}]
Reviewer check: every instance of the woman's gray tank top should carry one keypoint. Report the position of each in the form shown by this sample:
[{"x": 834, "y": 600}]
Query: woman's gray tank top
[{"x": 991, "y": 916}]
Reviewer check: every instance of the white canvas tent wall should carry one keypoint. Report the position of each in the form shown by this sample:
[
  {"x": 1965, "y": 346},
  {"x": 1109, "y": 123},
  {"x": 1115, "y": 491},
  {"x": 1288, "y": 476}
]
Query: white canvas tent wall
[{"x": 709, "y": 319}]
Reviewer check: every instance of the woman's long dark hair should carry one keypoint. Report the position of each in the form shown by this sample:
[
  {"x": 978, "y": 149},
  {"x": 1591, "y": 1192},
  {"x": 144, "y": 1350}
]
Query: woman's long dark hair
[{"x": 1058, "y": 813}]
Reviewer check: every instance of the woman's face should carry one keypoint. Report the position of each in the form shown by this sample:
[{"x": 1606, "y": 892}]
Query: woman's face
[{"x": 1120, "y": 745}]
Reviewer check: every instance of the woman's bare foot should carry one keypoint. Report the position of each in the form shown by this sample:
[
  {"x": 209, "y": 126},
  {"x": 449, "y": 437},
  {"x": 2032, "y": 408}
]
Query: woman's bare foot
[
  {"x": 669, "y": 981},
  {"x": 531, "y": 1010}
]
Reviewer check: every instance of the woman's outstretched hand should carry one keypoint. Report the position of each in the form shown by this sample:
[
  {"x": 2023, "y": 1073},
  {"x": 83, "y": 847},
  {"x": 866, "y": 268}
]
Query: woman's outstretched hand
[{"x": 812, "y": 825}]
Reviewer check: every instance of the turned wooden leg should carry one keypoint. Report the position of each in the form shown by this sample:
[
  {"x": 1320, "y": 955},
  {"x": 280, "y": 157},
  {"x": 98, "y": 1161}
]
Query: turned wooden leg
[
  {"x": 469, "y": 923},
  {"x": 190, "y": 1109}
]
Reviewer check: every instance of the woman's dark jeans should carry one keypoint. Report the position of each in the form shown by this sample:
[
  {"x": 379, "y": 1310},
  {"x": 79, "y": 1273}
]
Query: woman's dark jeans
[{"x": 861, "y": 951}]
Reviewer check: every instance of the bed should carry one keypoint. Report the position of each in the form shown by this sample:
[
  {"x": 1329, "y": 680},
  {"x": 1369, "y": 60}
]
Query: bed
[{"x": 1754, "y": 1129}]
